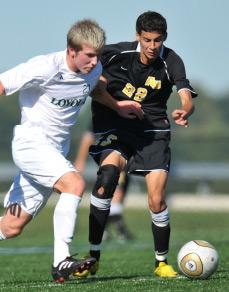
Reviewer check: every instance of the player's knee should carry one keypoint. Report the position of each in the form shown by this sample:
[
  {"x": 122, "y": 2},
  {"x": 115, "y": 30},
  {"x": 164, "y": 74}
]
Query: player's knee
[
  {"x": 160, "y": 219},
  {"x": 71, "y": 182},
  {"x": 107, "y": 180},
  {"x": 156, "y": 203}
]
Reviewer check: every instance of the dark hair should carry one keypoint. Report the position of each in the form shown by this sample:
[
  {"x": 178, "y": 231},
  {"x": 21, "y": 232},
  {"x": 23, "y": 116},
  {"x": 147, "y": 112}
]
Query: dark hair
[{"x": 151, "y": 21}]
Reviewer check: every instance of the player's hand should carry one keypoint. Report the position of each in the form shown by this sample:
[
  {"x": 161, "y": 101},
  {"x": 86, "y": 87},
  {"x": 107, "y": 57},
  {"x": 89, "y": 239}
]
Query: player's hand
[
  {"x": 180, "y": 117},
  {"x": 130, "y": 109}
]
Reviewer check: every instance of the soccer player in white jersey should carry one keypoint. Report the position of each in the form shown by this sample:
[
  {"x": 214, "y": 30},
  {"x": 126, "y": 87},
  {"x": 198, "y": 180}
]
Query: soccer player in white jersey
[{"x": 52, "y": 89}]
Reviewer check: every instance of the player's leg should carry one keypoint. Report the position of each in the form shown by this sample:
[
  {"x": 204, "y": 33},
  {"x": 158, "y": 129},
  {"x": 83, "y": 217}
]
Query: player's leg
[
  {"x": 46, "y": 168},
  {"x": 71, "y": 187},
  {"x": 156, "y": 183},
  {"x": 107, "y": 179},
  {"x": 106, "y": 151},
  {"x": 154, "y": 165}
]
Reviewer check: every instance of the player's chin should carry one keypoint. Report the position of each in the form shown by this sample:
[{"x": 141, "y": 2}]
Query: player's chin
[
  {"x": 152, "y": 56},
  {"x": 86, "y": 70}
]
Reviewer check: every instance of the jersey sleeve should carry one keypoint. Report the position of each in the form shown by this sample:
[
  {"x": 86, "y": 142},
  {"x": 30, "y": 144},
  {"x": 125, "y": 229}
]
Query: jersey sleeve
[
  {"x": 96, "y": 74},
  {"x": 177, "y": 74},
  {"x": 31, "y": 73}
]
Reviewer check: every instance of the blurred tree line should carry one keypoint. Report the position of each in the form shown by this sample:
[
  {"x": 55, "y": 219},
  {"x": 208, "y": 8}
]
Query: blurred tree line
[{"x": 206, "y": 138}]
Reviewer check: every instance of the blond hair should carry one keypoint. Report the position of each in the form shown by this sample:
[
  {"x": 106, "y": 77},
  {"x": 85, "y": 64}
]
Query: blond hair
[{"x": 87, "y": 32}]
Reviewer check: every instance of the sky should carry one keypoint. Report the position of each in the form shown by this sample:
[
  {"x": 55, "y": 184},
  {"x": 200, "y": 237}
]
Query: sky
[{"x": 197, "y": 31}]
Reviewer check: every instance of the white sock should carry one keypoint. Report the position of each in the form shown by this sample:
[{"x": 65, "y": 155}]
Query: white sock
[
  {"x": 116, "y": 209},
  {"x": 64, "y": 219},
  {"x": 2, "y": 236},
  {"x": 95, "y": 247}
]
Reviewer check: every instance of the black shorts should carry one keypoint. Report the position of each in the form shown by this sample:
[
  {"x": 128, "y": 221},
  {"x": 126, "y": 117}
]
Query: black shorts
[{"x": 144, "y": 150}]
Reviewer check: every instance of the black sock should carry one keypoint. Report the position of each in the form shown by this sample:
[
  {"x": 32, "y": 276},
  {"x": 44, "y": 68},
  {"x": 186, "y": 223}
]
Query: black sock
[
  {"x": 158, "y": 262},
  {"x": 161, "y": 237},
  {"x": 95, "y": 254},
  {"x": 97, "y": 223}
]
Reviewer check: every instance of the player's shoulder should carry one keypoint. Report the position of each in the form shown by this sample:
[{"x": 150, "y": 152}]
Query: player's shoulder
[
  {"x": 113, "y": 51},
  {"x": 127, "y": 46},
  {"x": 121, "y": 47},
  {"x": 46, "y": 65},
  {"x": 169, "y": 55}
]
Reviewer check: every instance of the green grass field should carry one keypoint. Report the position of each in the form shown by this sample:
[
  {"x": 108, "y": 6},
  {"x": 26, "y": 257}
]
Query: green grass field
[{"x": 25, "y": 261}]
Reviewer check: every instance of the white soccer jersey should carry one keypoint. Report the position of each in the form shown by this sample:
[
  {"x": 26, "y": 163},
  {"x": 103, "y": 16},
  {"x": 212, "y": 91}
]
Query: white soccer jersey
[{"x": 51, "y": 95}]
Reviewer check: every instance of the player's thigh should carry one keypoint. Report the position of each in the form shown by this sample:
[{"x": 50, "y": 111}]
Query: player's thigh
[
  {"x": 156, "y": 181},
  {"x": 71, "y": 182},
  {"x": 39, "y": 159},
  {"x": 114, "y": 158}
]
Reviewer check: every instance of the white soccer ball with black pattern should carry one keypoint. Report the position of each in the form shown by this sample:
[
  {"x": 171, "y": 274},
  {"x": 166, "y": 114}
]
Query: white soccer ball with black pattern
[{"x": 198, "y": 259}]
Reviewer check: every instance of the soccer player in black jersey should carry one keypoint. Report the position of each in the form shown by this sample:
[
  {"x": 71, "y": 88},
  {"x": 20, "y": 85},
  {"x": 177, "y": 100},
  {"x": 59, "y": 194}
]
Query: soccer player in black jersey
[{"x": 144, "y": 71}]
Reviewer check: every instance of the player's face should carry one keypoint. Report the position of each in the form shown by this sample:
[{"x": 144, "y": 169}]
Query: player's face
[
  {"x": 150, "y": 43},
  {"x": 83, "y": 61}
]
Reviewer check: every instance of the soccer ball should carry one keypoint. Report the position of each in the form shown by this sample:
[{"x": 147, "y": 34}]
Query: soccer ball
[{"x": 197, "y": 259}]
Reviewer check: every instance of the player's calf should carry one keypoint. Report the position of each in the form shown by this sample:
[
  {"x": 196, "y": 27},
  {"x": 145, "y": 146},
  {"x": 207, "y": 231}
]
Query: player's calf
[{"x": 107, "y": 180}]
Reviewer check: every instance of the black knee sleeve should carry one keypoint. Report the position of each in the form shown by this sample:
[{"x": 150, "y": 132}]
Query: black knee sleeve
[{"x": 107, "y": 180}]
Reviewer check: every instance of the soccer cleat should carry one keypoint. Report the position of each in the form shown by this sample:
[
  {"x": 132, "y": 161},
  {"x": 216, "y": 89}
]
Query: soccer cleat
[
  {"x": 165, "y": 271},
  {"x": 91, "y": 270},
  {"x": 69, "y": 266},
  {"x": 94, "y": 268}
]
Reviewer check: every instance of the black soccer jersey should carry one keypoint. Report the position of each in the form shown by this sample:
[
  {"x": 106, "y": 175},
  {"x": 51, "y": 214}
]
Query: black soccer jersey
[{"x": 150, "y": 85}]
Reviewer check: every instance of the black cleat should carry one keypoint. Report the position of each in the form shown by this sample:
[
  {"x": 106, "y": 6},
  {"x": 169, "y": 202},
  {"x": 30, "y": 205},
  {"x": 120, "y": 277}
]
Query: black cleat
[{"x": 71, "y": 266}]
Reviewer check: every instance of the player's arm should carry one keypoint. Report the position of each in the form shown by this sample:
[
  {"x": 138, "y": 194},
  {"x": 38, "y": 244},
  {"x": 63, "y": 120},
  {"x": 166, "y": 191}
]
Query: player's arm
[
  {"x": 82, "y": 154},
  {"x": 186, "y": 92},
  {"x": 2, "y": 89},
  {"x": 181, "y": 115},
  {"x": 125, "y": 108}
]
